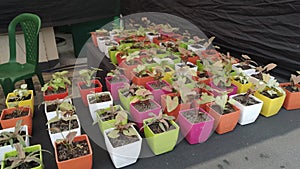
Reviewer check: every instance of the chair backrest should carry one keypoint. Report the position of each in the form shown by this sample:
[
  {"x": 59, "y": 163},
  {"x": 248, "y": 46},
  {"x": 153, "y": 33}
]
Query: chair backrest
[{"x": 30, "y": 25}]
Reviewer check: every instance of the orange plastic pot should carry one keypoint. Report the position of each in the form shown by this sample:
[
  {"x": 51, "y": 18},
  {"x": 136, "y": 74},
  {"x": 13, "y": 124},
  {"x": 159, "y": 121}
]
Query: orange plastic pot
[
  {"x": 291, "y": 100},
  {"x": 141, "y": 81},
  {"x": 203, "y": 80},
  {"x": 224, "y": 123},
  {"x": 175, "y": 112},
  {"x": 27, "y": 120},
  {"x": 85, "y": 162},
  {"x": 196, "y": 104},
  {"x": 193, "y": 59},
  {"x": 55, "y": 96}
]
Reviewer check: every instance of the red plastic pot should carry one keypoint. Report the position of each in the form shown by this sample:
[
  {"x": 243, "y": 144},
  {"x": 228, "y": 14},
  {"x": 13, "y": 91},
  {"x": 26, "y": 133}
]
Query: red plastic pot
[
  {"x": 141, "y": 81},
  {"x": 85, "y": 92},
  {"x": 56, "y": 96}
]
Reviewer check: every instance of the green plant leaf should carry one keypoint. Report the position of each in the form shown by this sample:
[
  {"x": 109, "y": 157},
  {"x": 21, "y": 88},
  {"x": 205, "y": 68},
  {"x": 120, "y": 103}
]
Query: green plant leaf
[
  {"x": 113, "y": 134},
  {"x": 162, "y": 127}
]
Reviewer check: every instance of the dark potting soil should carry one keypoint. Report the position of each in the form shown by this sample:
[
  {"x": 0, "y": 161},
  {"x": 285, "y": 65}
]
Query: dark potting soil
[
  {"x": 156, "y": 129},
  {"x": 158, "y": 85},
  {"x": 241, "y": 98},
  {"x": 228, "y": 109},
  {"x": 244, "y": 67},
  {"x": 52, "y": 107},
  {"x": 152, "y": 34},
  {"x": 59, "y": 90},
  {"x": 25, "y": 165},
  {"x": 4, "y": 143},
  {"x": 203, "y": 75},
  {"x": 195, "y": 116},
  {"x": 117, "y": 79},
  {"x": 265, "y": 93},
  {"x": 16, "y": 114},
  {"x": 198, "y": 46},
  {"x": 171, "y": 57},
  {"x": 64, "y": 125},
  {"x": 141, "y": 76},
  {"x": 78, "y": 149},
  {"x": 14, "y": 99},
  {"x": 188, "y": 64},
  {"x": 143, "y": 106},
  {"x": 257, "y": 76},
  {"x": 289, "y": 88},
  {"x": 99, "y": 99},
  {"x": 122, "y": 140},
  {"x": 108, "y": 115},
  {"x": 93, "y": 85}
]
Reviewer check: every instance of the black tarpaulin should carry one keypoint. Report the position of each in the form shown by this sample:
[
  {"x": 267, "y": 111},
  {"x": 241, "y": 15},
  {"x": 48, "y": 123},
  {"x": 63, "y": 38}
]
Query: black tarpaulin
[{"x": 266, "y": 30}]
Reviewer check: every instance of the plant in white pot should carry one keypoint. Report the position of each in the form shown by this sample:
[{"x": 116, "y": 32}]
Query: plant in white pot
[
  {"x": 123, "y": 142},
  {"x": 51, "y": 107},
  {"x": 249, "y": 105},
  {"x": 247, "y": 65},
  {"x": 98, "y": 101}
]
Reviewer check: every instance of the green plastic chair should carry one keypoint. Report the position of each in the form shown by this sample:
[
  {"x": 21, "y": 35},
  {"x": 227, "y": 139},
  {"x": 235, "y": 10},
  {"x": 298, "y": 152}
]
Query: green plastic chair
[{"x": 13, "y": 71}]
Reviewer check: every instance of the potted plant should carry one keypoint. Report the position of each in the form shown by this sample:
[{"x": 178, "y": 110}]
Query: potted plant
[
  {"x": 131, "y": 62},
  {"x": 195, "y": 124},
  {"x": 88, "y": 84},
  {"x": 241, "y": 81},
  {"x": 249, "y": 105},
  {"x": 114, "y": 80},
  {"x": 73, "y": 151},
  {"x": 161, "y": 133},
  {"x": 292, "y": 90},
  {"x": 141, "y": 75},
  {"x": 57, "y": 87},
  {"x": 23, "y": 157},
  {"x": 123, "y": 143},
  {"x": 245, "y": 65},
  {"x": 141, "y": 105},
  {"x": 196, "y": 46},
  {"x": 97, "y": 33},
  {"x": 272, "y": 95},
  {"x": 10, "y": 116},
  {"x": 226, "y": 115},
  {"x": 101, "y": 42},
  {"x": 158, "y": 87},
  {"x": 262, "y": 71},
  {"x": 51, "y": 107},
  {"x": 185, "y": 61},
  {"x": 64, "y": 122},
  {"x": 99, "y": 101},
  {"x": 127, "y": 94},
  {"x": 106, "y": 118},
  {"x": 11, "y": 136},
  {"x": 107, "y": 45}
]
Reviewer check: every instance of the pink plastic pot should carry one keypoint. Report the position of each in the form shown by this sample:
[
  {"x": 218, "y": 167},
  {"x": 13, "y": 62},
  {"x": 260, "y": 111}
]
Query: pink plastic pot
[
  {"x": 157, "y": 92},
  {"x": 113, "y": 87},
  {"x": 138, "y": 117},
  {"x": 198, "y": 132}
]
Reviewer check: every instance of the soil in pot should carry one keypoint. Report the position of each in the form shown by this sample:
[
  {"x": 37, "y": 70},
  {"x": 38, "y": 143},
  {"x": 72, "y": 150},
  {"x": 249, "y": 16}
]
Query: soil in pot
[
  {"x": 241, "y": 98},
  {"x": 132, "y": 63},
  {"x": 50, "y": 92},
  {"x": 172, "y": 57},
  {"x": 188, "y": 64},
  {"x": 25, "y": 165},
  {"x": 265, "y": 93},
  {"x": 203, "y": 75},
  {"x": 93, "y": 85},
  {"x": 117, "y": 79},
  {"x": 143, "y": 106},
  {"x": 195, "y": 116},
  {"x": 122, "y": 140},
  {"x": 77, "y": 149},
  {"x": 158, "y": 85},
  {"x": 244, "y": 67},
  {"x": 228, "y": 109},
  {"x": 22, "y": 133},
  {"x": 64, "y": 125},
  {"x": 289, "y": 88},
  {"x": 258, "y": 76},
  {"x": 198, "y": 46},
  {"x": 16, "y": 113},
  {"x": 99, "y": 99},
  {"x": 108, "y": 115},
  {"x": 156, "y": 129},
  {"x": 16, "y": 98},
  {"x": 51, "y": 107},
  {"x": 152, "y": 34}
]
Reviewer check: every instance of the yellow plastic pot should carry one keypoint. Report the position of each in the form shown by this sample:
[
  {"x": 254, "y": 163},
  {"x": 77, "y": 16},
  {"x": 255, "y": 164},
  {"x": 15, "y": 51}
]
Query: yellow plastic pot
[
  {"x": 270, "y": 106},
  {"x": 24, "y": 103},
  {"x": 242, "y": 88}
]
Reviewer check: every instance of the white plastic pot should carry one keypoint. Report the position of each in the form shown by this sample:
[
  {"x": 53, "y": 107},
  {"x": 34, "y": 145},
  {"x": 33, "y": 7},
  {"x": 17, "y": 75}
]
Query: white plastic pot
[
  {"x": 247, "y": 71},
  {"x": 101, "y": 42},
  {"x": 57, "y": 136},
  {"x": 151, "y": 37},
  {"x": 177, "y": 66},
  {"x": 199, "y": 48},
  {"x": 124, "y": 155},
  {"x": 96, "y": 106},
  {"x": 106, "y": 47},
  {"x": 51, "y": 114},
  {"x": 248, "y": 114},
  {"x": 8, "y": 147}
]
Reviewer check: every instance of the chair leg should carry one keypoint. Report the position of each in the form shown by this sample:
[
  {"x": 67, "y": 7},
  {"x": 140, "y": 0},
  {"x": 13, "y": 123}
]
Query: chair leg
[
  {"x": 40, "y": 76},
  {"x": 7, "y": 86},
  {"x": 29, "y": 82}
]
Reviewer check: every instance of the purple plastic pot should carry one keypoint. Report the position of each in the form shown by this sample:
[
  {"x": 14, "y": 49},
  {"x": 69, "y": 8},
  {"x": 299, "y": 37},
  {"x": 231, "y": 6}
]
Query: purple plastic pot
[{"x": 157, "y": 92}]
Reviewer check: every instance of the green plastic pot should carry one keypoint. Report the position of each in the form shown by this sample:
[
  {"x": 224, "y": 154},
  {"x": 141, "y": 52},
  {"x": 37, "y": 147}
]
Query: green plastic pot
[
  {"x": 112, "y": 55},
  {"x": 103, "y": 125},
  {"x": 27, "y": 149},
  {"x": 162, "y": 142},
  {"x": 125, "y": 101}
]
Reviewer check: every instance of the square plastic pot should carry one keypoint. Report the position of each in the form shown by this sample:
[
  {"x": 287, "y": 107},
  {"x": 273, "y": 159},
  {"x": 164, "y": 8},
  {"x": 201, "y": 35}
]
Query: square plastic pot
[
  {"x": 247, "y": 71},
  {"x": 124, "y": 155},
  {"x": 141, "y": 81},
  {"x": 241, "y": 88},
  {"x": 248, "y": 114},
  {"x": 85, "y": 92},
  {"x": 291, "y": 101},
  {"x": 195, "y": 133},
  {"x": 113, "y": 87},
  {"x": 95, "y": 106},
  {"x": 125, "y": 101},
  {"x": 22, "y": 103},
  {"x": 175, "y": 112},
  {"x": 162, "y": 142},
  {"x": 56, "y": 96},
  {"x": 157, "y": 92},
  {"x": 128, "y": 68},
  {"x": 52, "y": 114}
]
